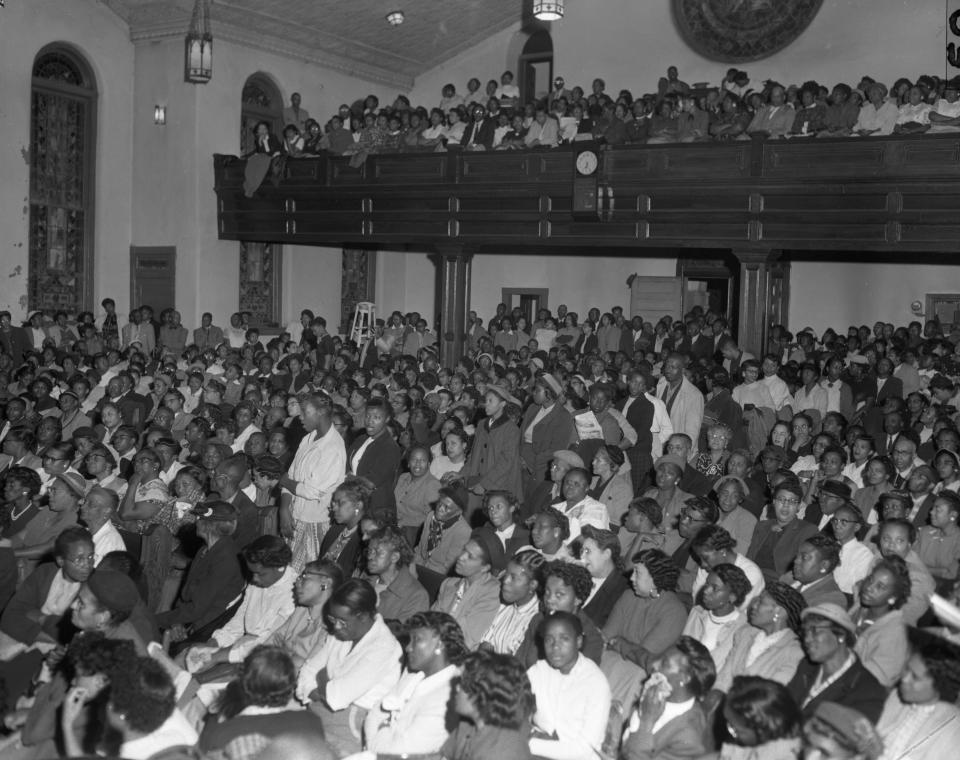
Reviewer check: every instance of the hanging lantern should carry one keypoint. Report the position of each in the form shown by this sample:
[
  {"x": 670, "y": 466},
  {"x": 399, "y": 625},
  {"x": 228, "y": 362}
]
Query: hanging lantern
[
  {"x": 548, "y": 10},
  {"x": 199, "y": 45}
]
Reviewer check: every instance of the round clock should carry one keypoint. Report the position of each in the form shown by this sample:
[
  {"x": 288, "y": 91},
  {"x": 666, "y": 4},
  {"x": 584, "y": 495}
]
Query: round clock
[
  {"x": 587, "y": 163},
  {"x": 738, "y": 31}
]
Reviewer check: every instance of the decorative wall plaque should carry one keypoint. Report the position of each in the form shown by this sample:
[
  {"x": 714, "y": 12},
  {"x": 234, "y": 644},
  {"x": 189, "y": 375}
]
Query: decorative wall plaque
[{"x": 738, "y": 31}]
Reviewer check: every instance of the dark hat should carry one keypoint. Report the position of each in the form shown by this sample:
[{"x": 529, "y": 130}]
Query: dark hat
[
  {"x": 127, "y": 430},
  {"x": 902, "y": 496},
  {"x": 493, "y": 548},
  {"x": 777, "y": 451},
  {"x": 84, "y": 432},
  {"x": 836, "y": 488},
  {"x": 216, "y": 510},
  {"x": 941, "y": 383},
  {"x": 114, "y": 590},
  {"x": 268, "y": 465},
  {"x": 458, "y": 494}
]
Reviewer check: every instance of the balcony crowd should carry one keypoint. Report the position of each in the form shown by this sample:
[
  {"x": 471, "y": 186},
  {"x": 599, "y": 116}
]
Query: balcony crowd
[{"x": 495, "y": 117}]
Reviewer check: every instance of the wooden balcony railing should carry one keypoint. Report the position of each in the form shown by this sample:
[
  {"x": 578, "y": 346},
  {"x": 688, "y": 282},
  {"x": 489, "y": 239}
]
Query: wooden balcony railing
[{"x": 877, "y": 194}]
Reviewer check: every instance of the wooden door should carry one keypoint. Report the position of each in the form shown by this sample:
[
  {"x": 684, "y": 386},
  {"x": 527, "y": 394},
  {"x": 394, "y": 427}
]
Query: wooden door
[{"x": 153, "y": 277}]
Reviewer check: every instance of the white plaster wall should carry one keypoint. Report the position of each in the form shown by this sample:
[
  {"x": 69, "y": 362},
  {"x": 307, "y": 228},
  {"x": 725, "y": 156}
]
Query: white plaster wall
[
  {"x": 175, "y": 203},
  {"x": 846, "y": 293},
  {"x": 102, "y": 38}
]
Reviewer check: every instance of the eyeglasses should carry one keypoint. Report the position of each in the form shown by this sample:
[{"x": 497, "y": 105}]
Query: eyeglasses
[
  {"x": 842, "y": 523},
  {"x": 781, "y": 500},
  {"x": 691, "y": 516}
]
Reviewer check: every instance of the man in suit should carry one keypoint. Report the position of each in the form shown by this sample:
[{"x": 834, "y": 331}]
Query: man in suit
[
  {"x": 208, "y": 335},
  {"x": 733, "y": 357},
  {"x": 135, "y": 331},
  {"x": 131, "y": 409},
  {"x": 888, "y": 386},
  {"x": 375, "y": 456},
  {"x": 13, "y": 340},
  {"x": 920, "y": 487},
  {"x": 478, "y": 134},
  {"x": 684, "y": 402},
  {"x": 227, "y": 479}
]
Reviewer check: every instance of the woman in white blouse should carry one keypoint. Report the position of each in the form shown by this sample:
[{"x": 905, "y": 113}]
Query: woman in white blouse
[
  {"x": 572, "y": 695},
  {"x": 355, "y": 667},
  {"x": 411, "y": 718}
]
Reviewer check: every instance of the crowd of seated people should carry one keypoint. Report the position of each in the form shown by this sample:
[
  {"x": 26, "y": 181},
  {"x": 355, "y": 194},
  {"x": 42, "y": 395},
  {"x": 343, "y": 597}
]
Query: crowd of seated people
[
  {"x": 496, "y": 118},
  {"x": 593, "y": 535}
]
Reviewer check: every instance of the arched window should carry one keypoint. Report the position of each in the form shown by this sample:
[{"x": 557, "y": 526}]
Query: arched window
[
  {"x": 260, "y": 263},
  {"x": 62, "y": 140},
  {"x": 536, "y": 66}
]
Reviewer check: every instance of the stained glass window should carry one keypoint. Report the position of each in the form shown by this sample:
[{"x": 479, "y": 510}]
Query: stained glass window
[
  {"x": 61, "y": 171},
  {"x": 260, "y": 283}
]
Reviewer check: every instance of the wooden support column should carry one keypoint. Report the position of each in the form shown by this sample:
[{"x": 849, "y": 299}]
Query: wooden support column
[
  {"x": 763, "y": 296},
  {"x": 454, "y": 263}
]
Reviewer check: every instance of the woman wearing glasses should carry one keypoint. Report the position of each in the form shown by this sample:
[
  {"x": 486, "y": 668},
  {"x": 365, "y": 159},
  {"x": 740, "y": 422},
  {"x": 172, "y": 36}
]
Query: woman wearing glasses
[
  {"x": 775, "y": 541},
  {"x": 354, "y": 669},
  {"x": 304, "y": 631}
]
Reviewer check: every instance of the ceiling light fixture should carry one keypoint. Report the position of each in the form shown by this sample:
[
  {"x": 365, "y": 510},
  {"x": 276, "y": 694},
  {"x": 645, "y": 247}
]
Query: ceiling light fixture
[
  {"x": 395, "y": 18},
  {"x": 199, "y": 45},
  {"x": 548, "y": 10}
]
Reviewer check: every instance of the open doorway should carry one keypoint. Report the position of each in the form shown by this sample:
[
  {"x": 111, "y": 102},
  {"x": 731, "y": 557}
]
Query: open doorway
[
  {"x": 536, "y": 67},
  {"x": 528, "y": 300},
  {"x": 707, "y": 283}
]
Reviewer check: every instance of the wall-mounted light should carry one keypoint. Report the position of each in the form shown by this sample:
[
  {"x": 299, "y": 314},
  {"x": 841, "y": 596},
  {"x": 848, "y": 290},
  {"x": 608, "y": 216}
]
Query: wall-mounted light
[
  {"x": 548, "y": 10},
  {"x": 159, "y": 115},
  {"x": 395, "y": 18}
]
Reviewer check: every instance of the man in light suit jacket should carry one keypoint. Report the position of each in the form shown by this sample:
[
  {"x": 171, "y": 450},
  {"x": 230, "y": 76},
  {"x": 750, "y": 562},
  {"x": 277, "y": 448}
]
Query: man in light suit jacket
[
  {"x": 544, "y": 132},
  {"x": 684, "y": 402},
  {"x": 208, "y": 335}
]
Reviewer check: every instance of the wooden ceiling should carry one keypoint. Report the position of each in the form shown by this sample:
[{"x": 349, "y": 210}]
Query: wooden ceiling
[{"x": 349, "y": 35}]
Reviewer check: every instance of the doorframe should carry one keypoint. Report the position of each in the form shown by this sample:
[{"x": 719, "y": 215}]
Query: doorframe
[
  {"x": 137, "y": 250},
  {"x": 707, "y": 269},
  {"x": 541, "y": 293},
  {"x": 522, "y": 72}
]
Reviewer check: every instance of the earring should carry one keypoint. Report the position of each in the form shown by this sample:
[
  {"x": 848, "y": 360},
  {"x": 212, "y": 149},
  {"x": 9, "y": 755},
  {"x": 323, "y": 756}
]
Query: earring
[
  {"x": 776, "y": 617},
  {"x": 438, "y": 650}
]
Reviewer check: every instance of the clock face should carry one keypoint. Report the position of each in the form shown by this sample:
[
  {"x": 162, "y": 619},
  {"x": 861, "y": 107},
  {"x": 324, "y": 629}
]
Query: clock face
[{"x": 587, "y": 162}]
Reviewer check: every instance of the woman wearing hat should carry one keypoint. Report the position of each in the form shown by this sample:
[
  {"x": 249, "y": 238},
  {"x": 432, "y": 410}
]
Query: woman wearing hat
[
  {"x": 546, "y": 427},
  {"x": 494, "y": 462},
  {"x": 668, "y": 470},
  {"x": 104, "y": 604},
  {"x": 213, "y": 581},
  {"x": 831, "y": 671}
]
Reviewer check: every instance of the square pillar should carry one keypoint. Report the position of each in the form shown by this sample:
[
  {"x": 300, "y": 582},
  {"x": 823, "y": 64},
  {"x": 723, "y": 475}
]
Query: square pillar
[
  {"x": 763, "y": 295},
  {"x": 454, "y": 263}
]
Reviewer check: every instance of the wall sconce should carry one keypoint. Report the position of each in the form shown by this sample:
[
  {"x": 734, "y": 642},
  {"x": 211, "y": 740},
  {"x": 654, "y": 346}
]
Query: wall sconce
[{"x": 159, "y": 115}]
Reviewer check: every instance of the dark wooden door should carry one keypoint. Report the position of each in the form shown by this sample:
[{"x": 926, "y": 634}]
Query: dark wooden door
[{"x": 153, "y": 276}]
